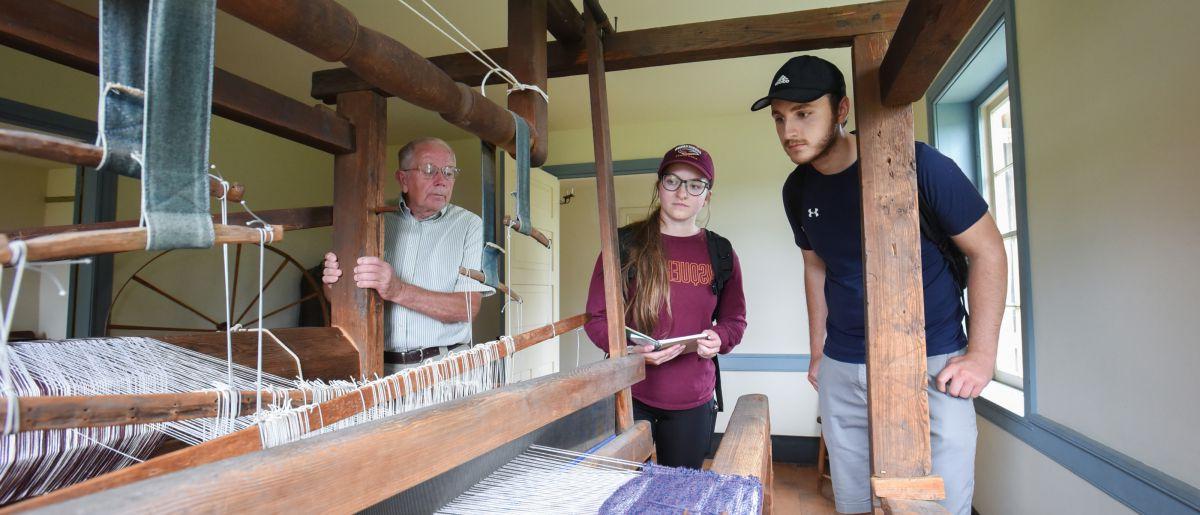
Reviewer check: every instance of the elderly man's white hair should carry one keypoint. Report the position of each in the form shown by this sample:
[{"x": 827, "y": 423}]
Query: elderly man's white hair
[{"x": 410, "y": 149}]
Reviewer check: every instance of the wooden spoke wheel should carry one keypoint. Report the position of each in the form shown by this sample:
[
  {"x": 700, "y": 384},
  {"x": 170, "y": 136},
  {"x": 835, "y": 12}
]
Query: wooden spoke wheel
[{"x": 182, "y": 291}]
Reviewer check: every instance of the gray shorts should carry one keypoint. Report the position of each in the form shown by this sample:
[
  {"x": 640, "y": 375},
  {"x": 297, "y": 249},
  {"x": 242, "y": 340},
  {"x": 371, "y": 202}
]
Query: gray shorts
[{"x": 843, "y": 406}]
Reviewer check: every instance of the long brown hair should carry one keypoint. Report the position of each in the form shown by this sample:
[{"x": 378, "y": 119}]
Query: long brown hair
[{"x": 648, "y": 262}]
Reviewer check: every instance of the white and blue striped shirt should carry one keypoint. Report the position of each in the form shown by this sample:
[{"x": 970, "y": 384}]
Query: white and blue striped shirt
[{"x": 427, "y": 253}]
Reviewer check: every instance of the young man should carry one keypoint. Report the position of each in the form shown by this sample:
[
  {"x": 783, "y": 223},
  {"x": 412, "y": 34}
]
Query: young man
[{"x": 822, "y": 198}]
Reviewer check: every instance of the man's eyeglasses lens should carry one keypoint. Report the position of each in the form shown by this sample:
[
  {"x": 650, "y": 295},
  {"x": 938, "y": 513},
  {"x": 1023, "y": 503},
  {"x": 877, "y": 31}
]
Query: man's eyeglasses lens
[
  {"x": 429, "y": 170},
  {"x": 695, "y": 187}
]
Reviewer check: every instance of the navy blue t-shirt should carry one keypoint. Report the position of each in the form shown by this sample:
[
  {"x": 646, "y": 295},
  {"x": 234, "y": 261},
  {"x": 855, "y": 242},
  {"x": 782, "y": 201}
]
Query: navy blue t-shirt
[{"x": 826, "y": 216}]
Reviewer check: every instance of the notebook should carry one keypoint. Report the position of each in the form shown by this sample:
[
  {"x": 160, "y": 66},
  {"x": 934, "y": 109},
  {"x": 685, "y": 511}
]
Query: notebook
[{"x": 688, "y": 342}]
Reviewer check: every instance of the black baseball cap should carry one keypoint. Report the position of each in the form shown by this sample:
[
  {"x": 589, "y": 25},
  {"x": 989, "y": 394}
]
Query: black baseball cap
[{"x": 803, "y": 79}]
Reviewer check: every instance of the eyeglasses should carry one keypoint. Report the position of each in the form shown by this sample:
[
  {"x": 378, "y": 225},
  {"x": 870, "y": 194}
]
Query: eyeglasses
[
  {"x": 429, "y": 170},
  {"x": 695, "y": 187}
]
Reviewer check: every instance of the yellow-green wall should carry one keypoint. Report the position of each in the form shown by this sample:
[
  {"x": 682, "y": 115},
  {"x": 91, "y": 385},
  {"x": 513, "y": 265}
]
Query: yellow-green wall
[{"x": 1110, "y": 123}]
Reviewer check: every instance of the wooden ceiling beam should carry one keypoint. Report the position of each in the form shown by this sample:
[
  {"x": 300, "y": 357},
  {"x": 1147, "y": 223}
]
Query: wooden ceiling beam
[
  {"x": 691, "y": 42},
  {"x": 70, "y": 37},
  {"x": 927, "y": 35}
]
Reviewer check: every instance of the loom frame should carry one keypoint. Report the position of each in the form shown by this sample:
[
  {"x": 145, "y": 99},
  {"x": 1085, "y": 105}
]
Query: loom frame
[{"x": 897, "y": 47}]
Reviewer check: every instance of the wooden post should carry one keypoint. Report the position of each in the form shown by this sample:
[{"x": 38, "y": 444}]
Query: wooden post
[
  {"x": 898, "y": 408},
  {"x": 357, "y": 187},
  {"x": 745, "y": 449},
  {"x": 527, "y": 53},
  {"x": 614, "y": 300}
]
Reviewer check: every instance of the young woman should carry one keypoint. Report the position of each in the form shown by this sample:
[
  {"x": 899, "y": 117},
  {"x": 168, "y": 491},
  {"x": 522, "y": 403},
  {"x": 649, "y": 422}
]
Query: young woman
[{"x": 679, "y": 279}]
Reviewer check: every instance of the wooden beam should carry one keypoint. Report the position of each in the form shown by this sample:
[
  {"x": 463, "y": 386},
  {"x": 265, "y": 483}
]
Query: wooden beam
[
  {"x": 527, "y": 53},
  {"x": 601, "y": 17},
  {"x": 328, "y": 30},
  {"x": 911, "y": 507},
  {"x": 291, "y": 219},
  {"x": 898, "y": 408},
  {"x": 635, "y": 444},
  {"x": 75, "y": 411},
  {"x": 614, "y": 300},
  {"x": 928, "y": 488},
  {"x": 248, "y": 440},
  {"x": 564, "y": 22},
  {"x": 745, "y": 449},
  {"x": 357, "y": 182},
  {"x": 927, "y": 35},
  {"x": 676, "y": 44},
  {"x": 66, "y": 150},
  {"x": 70, "y": 37},
  {"x": 325, "y": 352},
  {"x": 428, "y": 442},
  {"x": 111, "y": 241}
]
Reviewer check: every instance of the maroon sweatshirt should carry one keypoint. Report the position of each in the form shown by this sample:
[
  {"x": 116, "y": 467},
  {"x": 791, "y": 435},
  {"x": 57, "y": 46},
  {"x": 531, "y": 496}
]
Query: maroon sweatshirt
[{"x": 688, "y": 380}]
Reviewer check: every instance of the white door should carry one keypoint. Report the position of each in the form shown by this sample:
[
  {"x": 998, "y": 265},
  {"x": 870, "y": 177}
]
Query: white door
[{"x": 533, "y": 272}]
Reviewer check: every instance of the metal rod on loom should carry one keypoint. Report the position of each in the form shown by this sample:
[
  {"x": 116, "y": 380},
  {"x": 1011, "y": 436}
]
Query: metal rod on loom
[{"x": 39, "y": 413}]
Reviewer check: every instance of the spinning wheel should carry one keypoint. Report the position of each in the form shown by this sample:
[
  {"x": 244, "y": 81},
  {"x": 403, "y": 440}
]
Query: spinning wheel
[{"x": 181, "y": 291}]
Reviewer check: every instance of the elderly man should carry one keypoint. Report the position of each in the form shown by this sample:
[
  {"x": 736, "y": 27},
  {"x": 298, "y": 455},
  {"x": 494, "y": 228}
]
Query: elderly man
[{"x": 429, "y": 305}]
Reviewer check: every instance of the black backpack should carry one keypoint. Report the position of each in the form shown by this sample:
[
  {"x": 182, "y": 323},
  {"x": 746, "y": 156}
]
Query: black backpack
[{"x": 720, "y": 255}]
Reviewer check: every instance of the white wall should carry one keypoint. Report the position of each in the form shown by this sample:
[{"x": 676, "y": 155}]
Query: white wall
[
  {"x": 1013, "y": 478},
  {"x": 53, "y": 308},
  {"x": 1113, "y": 242},
  {"x": 1111, "y": 185},
  {"x": 22, "y": 204}
]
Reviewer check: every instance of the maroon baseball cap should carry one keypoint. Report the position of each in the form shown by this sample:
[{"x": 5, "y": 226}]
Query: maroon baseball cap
[{"x": 692, "y": 155}]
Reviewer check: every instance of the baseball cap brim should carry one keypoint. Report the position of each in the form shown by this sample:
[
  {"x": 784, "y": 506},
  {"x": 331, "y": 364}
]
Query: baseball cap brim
[
  {"x": 792, "y": 95},
  {"x": 662, "y": 167}
]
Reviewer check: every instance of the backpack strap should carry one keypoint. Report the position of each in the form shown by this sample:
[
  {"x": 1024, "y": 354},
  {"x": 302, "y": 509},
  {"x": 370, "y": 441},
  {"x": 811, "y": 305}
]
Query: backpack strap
[{"x": 720, "y": 255}]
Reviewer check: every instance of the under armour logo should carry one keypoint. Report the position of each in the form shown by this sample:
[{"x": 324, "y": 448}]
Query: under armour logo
[
  {"x": 781, "y": 80},
  {"x": 814, "y": 212}
]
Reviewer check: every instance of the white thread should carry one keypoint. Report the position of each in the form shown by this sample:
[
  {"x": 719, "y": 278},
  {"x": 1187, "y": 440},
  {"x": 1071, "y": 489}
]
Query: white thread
[
  {"x": 102, "y": 444},
  {"x": 486, "y": 60},
  {"x": 225, "y": 269},
  {"x": 19, "y": 256}
]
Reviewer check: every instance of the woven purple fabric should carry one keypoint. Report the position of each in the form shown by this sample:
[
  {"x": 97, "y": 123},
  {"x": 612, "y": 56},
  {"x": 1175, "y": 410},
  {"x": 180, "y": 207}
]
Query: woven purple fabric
[{"x": 670, "y": 490}]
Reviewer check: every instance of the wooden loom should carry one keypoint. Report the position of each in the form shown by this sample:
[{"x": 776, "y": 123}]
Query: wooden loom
[{"x": 234, "y": 474}]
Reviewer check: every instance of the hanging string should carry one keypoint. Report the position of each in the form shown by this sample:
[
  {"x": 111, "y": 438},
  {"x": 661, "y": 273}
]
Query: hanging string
[
  {"x": 470, "y": 316},
  {"x": 19, "y": 256},
  {"x": 225, "y": 269},
  {"x": 475, "y": 51}
]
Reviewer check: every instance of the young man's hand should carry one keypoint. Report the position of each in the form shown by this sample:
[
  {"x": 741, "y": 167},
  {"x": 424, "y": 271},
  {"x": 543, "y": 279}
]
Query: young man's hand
[
  {"x": 657, "y": 357},
  {"x": 965, "y": 376},
  {"x": 814, "y": 365}
]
